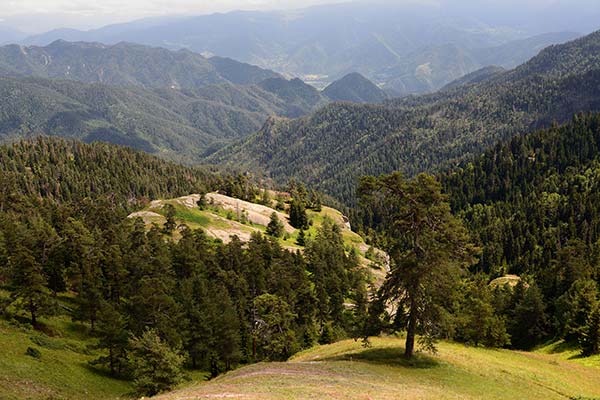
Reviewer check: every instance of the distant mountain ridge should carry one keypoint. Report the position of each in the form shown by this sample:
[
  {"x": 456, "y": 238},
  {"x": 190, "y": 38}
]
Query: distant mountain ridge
[
  {"x": 404, "y": 48},
  {"x": 334, "y": 146},
  {"x": 126, "y": 64}
]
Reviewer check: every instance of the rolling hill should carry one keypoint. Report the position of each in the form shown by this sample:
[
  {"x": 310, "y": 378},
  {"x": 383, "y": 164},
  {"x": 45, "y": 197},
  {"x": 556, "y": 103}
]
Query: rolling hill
[
  {"x": 227, "y": 216},
  {"x": 332, "y": 147}
]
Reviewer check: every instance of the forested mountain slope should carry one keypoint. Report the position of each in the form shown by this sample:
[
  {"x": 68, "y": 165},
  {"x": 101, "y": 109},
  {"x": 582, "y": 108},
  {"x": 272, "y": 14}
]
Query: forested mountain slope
[
  {"x": 177, "y": 124},
  {"x": 355, "y": 88},
  {"x": 332, "y": 147},
  {"x": 65, "y": 171},
  {"x": 532, "y": 203},
  {"x": 126, "y": 64}
]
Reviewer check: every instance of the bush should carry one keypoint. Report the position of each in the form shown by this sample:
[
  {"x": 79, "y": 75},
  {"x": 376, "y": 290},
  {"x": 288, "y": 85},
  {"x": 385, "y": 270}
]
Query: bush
[{"x": 33, "y": 352}]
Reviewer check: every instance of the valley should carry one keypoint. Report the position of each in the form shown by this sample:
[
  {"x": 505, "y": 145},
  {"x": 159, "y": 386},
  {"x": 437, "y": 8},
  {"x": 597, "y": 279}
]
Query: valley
[{"x": 349, "y": 200}]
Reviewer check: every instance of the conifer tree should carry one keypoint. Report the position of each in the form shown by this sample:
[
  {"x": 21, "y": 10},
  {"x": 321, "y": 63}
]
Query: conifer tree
[
  {"x": 275, "y": 227},
  {"x": 428, "y": 247},
  {"x": 113, "y": 338},
  {"x": 298, "y": 217},
  {"x": 29, "y": 283},
  {"x": 170, "y": 214},
  {"x": 155, "y": 366}
]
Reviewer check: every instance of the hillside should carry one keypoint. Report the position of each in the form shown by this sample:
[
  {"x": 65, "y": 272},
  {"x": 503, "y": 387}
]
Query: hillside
[
  {"x": 126, "y": 64},
  {"x": 478, "y": 76},
  {"x": 355, "y": 88},
  {"x": 226, "y": 216},
  {"x": 81, "y": 284},
  {"x": 349, "y": 371},
  {"x": 181, "y": 125},
  {"x": 61, "y": 371},
  {"x": 332, "y": 147}
]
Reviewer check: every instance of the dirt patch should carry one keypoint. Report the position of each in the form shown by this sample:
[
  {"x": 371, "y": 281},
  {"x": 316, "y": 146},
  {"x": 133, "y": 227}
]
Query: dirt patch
[
  {"x": 257, "y": 214},
  {"x": 144, "y": 214}
]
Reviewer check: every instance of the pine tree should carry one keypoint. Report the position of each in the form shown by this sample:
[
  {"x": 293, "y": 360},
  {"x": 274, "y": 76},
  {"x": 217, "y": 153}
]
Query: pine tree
[
  {"x": 428, "y": 248},
  {"x": 275, "y": 227},
  {"x": 590, "y": 339},
  {"x": 528, "y": 320},
  {"x": 113, "y": 338},
  {"x": 155, "y": 366},
  {"x": 298, "y": 217},
  {"x": 29, "y": 283},
  {"x": 301, "y": 239},
  {"x": 274, "y": 327},
  {"x": 170, "y": 224}
]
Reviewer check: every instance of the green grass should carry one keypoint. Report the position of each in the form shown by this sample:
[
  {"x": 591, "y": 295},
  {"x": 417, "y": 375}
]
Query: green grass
[
  {"x": 62, "y": 371},
  {"x": 568, "y": 351},
  {"x": 346, "y": 370}
]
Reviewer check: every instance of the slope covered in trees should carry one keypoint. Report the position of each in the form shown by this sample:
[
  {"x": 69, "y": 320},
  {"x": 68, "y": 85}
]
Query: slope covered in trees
[
  {"x": 337, "y": 144},
  {"x": 126, "y": 64},
  {"x": 52, "y": 169},
  {"x": 532, "y": 204},
  {"x": 176, "y": 124},
  {"x": 355, "y": 88},
  {"x": 151, "y": 304}
]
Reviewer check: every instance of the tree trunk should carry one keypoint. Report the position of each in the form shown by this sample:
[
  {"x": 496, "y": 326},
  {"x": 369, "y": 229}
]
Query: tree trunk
[
  {"x": 32, "y": 310},
  {"x": 411, "y": 331},
  {"x": 111, "y": 360}
]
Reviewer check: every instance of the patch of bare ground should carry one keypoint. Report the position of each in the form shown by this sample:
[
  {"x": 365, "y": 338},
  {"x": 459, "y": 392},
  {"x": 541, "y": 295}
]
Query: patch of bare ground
[{"x": 256, "y": 213}]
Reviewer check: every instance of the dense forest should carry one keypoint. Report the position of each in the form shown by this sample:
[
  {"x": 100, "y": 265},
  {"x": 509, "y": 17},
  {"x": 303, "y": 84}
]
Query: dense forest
[
  {"x": 532, "y": 204},
  {"x": 530, "y": 212},
  {"x": 156, "y": 305},
  {"x": 331, "y": 148},
  {"x": 521, "y": 216}
]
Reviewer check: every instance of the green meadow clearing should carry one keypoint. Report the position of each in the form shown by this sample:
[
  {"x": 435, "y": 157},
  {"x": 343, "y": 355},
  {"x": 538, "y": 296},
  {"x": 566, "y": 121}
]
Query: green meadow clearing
[{"x": 347, "y": 370}]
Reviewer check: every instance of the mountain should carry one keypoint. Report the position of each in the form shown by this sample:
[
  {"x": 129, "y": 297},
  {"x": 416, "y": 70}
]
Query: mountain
[
  {"x": 334, "y": 146},
  {"x": 513, "y": 53},
  {"x": 178, "y": 124},
  {"x": 406, "y": 47},
  {"x": 298, "y": 96},
  {"x": 355, "y": 88},
  {"x": 126, "y": 64},
  {"x": 478, "y": 76},
  {"x": 10, "y": 35}
]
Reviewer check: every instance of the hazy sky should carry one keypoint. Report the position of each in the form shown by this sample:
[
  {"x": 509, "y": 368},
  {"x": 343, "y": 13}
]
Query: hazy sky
[
  {"x": 94, "y": 13},
  {"x": 42, "y": 15}
]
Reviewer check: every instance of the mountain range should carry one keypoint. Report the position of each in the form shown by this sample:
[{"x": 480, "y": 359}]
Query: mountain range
[
  {"x": 175, "y": 103},
  {"x": 403, "y": 48},
  {"x": 332, "y": 147}
]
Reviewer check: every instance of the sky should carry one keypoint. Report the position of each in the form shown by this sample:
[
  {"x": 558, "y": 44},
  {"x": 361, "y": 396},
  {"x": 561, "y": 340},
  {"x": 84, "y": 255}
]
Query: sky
[
  {"x": 35, "y": 16},
  {"x": 42, "y": 15}
]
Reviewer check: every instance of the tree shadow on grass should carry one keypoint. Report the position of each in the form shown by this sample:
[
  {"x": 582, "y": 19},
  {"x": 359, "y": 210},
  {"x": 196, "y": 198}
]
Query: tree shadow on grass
[{"x": 393, "y": 356}]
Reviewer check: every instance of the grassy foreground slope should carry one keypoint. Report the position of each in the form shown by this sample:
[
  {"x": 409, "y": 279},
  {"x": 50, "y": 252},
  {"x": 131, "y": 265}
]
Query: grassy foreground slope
[
  {"x": 62, "y": 370},
  {"x": 346, "y": 370}
]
